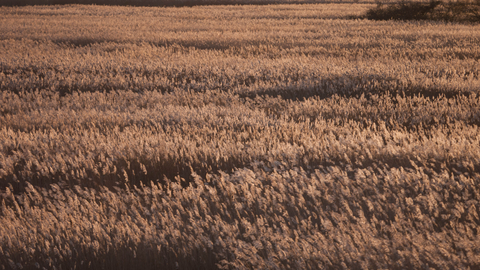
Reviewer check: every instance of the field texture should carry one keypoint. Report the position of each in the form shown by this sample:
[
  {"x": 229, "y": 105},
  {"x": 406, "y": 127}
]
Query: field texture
[
  {"x": 182, "y": 3},
  {"x": 237, "y": 137}
]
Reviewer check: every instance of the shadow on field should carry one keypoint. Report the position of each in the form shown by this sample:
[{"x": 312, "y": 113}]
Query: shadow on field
[
  {"x": 355, "y": 86},
  {"x": 131, "y": 173}
]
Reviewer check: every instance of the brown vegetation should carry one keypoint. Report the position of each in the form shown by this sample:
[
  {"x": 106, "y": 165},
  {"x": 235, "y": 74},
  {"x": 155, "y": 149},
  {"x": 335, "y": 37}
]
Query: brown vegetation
[
  {"x": 173, "y": 3},
  {"x": 237, "y": 137}
]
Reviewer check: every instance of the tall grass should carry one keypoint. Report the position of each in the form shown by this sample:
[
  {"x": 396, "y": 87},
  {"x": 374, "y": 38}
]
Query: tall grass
[
  {"x": 238, "y": 137},
  {"x": 284, "y": 217}
]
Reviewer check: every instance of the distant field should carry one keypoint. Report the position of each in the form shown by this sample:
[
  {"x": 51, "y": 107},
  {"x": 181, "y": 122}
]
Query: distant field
[
  {"x": 237, "y": 137},
  {"x": 181, "y": 3}
]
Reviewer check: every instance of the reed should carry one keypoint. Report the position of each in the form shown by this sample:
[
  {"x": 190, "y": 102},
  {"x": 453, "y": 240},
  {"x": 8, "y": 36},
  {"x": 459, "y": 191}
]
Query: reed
[{"x": 237, "y": 137}]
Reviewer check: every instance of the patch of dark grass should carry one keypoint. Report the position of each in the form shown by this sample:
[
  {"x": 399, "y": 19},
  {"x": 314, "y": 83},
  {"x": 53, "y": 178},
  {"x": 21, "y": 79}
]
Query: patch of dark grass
[{"x": 461, "y": 11}]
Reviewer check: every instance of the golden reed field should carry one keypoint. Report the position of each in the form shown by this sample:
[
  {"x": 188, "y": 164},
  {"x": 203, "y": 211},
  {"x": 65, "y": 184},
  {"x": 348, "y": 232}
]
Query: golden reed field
[{"x": 237, "y": 137}]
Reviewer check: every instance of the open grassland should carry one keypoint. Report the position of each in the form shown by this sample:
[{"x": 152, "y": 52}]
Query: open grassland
[
  {"x": 237, "y": 137},
  {"x": 180, "y": 3}
]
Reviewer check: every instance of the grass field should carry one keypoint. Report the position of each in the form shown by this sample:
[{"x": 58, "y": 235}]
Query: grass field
[{"x": 237, "y": 137}]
